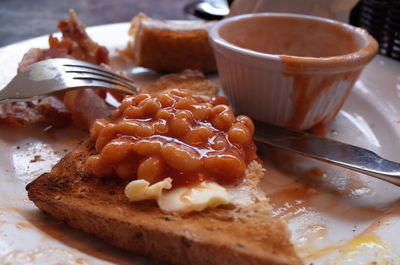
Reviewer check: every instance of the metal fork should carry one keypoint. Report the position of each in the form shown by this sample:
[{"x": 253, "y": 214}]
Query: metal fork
[{"x": 52, "y": 76}]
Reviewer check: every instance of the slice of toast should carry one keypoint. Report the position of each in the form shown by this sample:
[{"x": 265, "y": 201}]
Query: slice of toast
[
  {"x": 224, "y": 235},
  {"x": 170, "y": 46}
]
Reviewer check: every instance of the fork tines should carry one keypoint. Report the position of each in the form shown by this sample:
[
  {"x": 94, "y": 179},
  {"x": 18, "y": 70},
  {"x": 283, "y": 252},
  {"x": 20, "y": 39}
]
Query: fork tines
[{"x": 95, "y": 73}]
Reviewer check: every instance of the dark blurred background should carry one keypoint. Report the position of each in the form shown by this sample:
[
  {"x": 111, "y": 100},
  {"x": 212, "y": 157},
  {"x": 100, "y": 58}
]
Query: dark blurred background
[{"x": 382, "y": 19}]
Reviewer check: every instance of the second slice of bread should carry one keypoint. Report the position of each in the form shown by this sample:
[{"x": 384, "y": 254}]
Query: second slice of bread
[
  {"x": 170, "y": 46},
  {"x": 220, "y": 236}
]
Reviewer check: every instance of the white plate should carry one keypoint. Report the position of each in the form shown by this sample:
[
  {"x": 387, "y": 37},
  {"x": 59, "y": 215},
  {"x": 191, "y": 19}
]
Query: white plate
[{"x": 337, "y": 217}]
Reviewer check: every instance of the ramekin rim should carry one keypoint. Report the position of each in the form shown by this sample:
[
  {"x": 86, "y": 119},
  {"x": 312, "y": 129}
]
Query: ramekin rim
[{"x": 364, "y": 54}]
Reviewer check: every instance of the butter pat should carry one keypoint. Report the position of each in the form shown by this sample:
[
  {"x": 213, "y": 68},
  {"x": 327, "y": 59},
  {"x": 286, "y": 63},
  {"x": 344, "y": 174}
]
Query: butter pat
[
  {"x": 183, "y": 199},
  {"x": 140, "y": 189},
  {"x": 197, "y": 198}
]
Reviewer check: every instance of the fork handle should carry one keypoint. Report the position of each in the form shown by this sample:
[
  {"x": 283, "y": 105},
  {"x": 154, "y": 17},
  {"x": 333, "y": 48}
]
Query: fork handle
[{"x": 5, "y": 98}]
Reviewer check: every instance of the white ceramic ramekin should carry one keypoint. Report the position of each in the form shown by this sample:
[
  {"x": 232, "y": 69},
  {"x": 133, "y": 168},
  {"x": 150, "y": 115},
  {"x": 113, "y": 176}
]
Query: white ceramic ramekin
[{"x": 290, "y": 70}]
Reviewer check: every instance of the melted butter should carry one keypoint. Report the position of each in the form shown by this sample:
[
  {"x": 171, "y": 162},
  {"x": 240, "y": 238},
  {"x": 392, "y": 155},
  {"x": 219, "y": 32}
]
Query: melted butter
[
  {"x": 364, "y": 249},
  {"x": 365, "y": 241},
  {"x": 197, "y": 198},
  {"x": 140, "y": 189},
  {"x": 181, "y": 199},
  {"x": 365, "y": 245}
]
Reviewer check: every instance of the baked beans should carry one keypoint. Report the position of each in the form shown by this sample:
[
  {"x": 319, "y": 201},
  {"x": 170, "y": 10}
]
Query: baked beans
[{"x": 175, "y": 134}]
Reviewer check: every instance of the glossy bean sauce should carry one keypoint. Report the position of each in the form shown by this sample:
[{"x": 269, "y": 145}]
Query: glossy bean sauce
[{"x": 177, "y": 135}]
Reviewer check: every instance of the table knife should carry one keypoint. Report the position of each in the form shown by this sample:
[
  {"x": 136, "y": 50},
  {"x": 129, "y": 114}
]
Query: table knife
[{"x": 334, "y": 152}]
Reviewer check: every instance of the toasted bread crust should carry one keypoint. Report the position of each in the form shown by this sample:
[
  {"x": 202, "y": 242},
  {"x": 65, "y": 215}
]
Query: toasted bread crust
[
  {"x": 241, "y": 235},
  {"x": 168, "y": 46}
]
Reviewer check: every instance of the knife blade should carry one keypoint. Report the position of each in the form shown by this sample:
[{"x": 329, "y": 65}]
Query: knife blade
[{"x": 334, "y": 152}]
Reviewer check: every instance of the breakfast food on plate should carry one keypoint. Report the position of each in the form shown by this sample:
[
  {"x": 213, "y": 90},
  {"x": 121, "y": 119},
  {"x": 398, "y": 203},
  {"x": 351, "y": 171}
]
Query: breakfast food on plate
[
  {"x": 84, "y": 110},
  {"x": 82, "y": 107},
  {"x": 172, "y": 176},
  {"x": 170, "y": 46},
  {"x": 192, "y": 81},
  {"x": 171, "y": 173},
  {"x": 75, "y": 43}
]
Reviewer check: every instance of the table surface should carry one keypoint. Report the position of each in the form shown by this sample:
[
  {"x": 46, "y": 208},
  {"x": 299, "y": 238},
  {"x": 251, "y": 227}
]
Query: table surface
[{"x": 24, "y": 19}]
